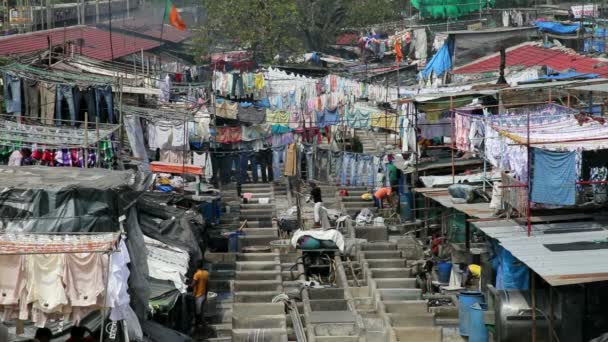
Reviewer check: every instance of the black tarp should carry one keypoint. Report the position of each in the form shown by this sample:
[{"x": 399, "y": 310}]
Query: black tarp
[{"x": 160, "y": 219}]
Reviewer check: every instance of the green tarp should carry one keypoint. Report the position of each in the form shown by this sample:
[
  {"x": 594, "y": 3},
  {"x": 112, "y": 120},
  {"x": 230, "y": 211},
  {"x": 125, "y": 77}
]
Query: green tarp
[{"x": 449, "y": 8}]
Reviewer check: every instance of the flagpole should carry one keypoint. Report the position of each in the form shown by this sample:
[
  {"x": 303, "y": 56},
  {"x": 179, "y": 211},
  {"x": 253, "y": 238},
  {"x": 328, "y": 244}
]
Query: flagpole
[{"x": 162, "y": 30}]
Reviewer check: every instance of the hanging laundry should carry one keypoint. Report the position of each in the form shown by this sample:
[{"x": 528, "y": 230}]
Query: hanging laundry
[
  {"x": 290, "y": 160},
  {"x": 554, "y": 177},
  {"x": 228, "y": 135}
]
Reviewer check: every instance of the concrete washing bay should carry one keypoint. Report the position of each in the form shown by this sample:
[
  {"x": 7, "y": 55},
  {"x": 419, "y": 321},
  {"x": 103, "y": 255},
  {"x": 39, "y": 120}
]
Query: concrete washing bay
[{"x": 374, "y": 296}]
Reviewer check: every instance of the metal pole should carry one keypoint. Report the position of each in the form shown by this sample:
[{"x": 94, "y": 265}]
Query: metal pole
[
  {"x": 533, "y": 308},
  {"x": 529, "y": 181},
  {"x": 453, "y": 145},
  {"x": 86, "y": 140}
]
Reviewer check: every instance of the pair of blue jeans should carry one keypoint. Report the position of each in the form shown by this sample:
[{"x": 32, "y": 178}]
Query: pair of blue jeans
[
  {"x": 64, "y": 92},
  {"x": 347, "y": 160},
  {"x": 103, "y": 95},
  {"x": 362, "y": 169},
  {"x": 12, "y": 94},
  {"x": 278, "y": 157},
  {"x": 247, "y": 158},
  {"x": 308, "y": 152}
]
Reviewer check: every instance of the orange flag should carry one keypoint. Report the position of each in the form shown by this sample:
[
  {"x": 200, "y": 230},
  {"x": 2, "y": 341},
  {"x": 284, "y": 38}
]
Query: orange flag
[
  {"x": 398, "y": 53},
  {"x": 174, "y": 18}
]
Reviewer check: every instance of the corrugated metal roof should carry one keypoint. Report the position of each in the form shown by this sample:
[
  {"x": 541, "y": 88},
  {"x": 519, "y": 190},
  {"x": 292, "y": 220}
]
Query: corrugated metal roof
[
  {"x": 96, "y": 43},
  {"x": 530, "y": 54},
  {"x": 152, "y": 29},
  {"x": 556, "y": 268}
]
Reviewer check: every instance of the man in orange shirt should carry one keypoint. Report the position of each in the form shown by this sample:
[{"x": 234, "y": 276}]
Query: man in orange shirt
[
  {"x": 199, "y": 289},
  {"x": 383, "y": 194}
]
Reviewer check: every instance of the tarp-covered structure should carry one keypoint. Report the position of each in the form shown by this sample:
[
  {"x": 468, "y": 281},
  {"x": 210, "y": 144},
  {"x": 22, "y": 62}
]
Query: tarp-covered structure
[{"x": 450, "y": 8}]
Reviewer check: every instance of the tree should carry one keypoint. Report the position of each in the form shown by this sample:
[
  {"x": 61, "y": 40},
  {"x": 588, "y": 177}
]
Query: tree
[
  {"x": 266, "y": 27},
  {"x": 270, "y": 27}
]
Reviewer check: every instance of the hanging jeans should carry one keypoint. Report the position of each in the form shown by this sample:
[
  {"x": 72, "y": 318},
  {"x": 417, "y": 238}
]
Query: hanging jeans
[
  {"x": 237, "y": 86},
  {"x": 12, "y": 94},
  {"x": 363, "y": 169},
  {"x": 64, "y": 92},
  {"x": 336, "y": 166},
  {"x": 354, "y": 169},
  {"x": 104, "y": 104},
  {"x": 31, "y": 98},
  {"x": 247, "y": 158},
  {"x": 308, "y": 151},
  {"x": 265, "y": 161},
  {"x": 322, "y": 165},
  {"x": 372, "y": 171},
  {"x": 347, "y": 160},
  {"x": 84, "y": 102},
  {"x": 278, "y": 157},
  {"x": 48, "y": 93}
]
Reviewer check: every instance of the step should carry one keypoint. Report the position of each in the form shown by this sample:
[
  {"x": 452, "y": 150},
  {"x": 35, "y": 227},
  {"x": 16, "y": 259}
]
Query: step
[
  {"x": 389, "y": 254},
  {"x": 219, "y": 339},
  {"x": 257, "y": 257},
  {"x": 395, "y": 283},
  {"x": 258, "y": 308},
  {"x": 248, "y": 241},
  {"x": 257, "y": 266},
  {"x": 379, "y": 246},
  {"x": 257, "y": 285},
  {"x": 247, "y": 321},
  {"x": 257, "y": 275},
  {"x": 261, "y": 232},
  {"x": 386, "y": 263},
  {"x": 221, "y": 330},
  {"x": 335, "y": 329},
  {"x": 327, "y": 293},
  {"x": 365, "y": 303},
  {"x": 418, "y": 320},
  {"x": 337, "y": 339},
  {"x": 418, "y": 334},
  {"x": 254, "y": 296},
  {"x": 400, "y": 294},
  {"x": 329, "y": 305},
  {"x": 391, "y": 272},
  {"x": 405, "y": 307},
  {"x": 263, "y": 335},
  {"x": 248, "y": 206}
]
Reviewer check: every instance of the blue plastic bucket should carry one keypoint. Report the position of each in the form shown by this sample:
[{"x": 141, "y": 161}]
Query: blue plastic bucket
[
  {"x": 465, "y": 300},
  {"x": 477, "y": 330},
  {"x": 233, "y": 241},
  {"x": 444, "y": 269}
]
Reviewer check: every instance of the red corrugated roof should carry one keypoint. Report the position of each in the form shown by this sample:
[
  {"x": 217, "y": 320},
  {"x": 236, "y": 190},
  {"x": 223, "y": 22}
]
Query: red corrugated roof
[
  {"x": 533, "y": 55},
  {"x": 96, "y": 42}
]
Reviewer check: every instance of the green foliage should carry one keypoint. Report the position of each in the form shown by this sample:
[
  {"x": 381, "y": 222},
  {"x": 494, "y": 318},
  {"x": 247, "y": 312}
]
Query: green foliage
[{"x": 270, "y": 27}]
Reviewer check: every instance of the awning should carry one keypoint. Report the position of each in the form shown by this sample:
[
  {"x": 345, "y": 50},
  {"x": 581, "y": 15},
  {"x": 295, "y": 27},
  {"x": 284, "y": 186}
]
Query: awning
[{"x": 575, "y": 263}]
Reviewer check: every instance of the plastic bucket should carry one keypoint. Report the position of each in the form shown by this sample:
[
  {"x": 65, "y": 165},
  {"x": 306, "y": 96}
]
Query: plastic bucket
[
  {"x": 477, "y": 330},
  {"x": 233, "y": 241},
  {"x": 465, "y": 300},
  {"x": 210, "y": 309},
  {"x": 444, "y": 269}
]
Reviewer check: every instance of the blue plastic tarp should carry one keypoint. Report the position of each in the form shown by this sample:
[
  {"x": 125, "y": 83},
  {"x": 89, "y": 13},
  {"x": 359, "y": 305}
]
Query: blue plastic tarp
[
  {"x": 552, "y": 27},
  {"x": 563, "y": 76},
  {"x": 511, "y": 274},
  {"x": 441, "y": 61}
]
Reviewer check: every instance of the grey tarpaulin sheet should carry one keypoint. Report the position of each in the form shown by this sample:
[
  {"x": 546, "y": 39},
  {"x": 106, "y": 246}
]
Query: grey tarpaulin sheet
[
  {"x": 52, "y": 199},
  {"x": 178, "y": 227},
  {"x": 154, "y": 332}
]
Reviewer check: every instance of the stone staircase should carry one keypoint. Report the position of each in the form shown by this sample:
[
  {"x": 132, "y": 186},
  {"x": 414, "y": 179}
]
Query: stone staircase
[
  {"x": 254, "y": 316},
  {"x": 260, "y": 229},
  {"x": 353, "y": 203},
  {"x": 394, "y": 292}
]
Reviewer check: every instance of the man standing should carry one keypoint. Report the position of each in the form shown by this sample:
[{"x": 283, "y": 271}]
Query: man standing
[
  {"x": 199, "y": 289},
  {"x": 315, "y": 196}
]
